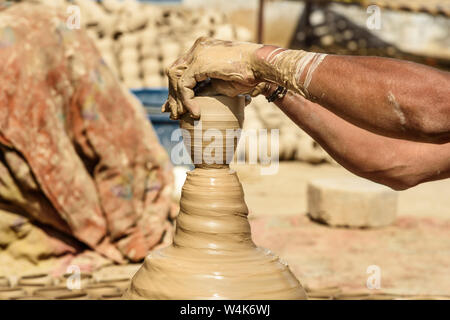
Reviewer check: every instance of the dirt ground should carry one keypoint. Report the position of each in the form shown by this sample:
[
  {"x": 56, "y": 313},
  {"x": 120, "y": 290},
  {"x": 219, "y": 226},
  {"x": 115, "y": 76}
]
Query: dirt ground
[{"x": 413, "y": 254}]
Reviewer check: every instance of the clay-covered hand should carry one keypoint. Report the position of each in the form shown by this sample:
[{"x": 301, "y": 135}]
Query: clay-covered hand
[{"x": 228, "y": 63}]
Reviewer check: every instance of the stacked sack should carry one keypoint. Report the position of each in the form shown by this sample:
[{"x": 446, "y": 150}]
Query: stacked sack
[{"x": 139, "y": 41}]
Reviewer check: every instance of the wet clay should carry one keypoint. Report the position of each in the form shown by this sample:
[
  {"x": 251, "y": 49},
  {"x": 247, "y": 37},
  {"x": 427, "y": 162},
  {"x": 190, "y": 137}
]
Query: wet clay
[
  {"x": 292, "y": 69},
  {"x": 213, "y": 255},
  {"x": 221, "y": 118}
]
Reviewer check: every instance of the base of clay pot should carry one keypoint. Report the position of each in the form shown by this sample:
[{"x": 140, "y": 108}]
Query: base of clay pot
[
  {"x": 213, "y": 255},
  {"x": 250, "y": 274}
]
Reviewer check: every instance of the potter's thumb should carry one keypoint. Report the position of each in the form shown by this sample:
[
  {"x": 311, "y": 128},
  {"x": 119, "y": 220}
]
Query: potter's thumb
[{"x": 194, "y": 109}]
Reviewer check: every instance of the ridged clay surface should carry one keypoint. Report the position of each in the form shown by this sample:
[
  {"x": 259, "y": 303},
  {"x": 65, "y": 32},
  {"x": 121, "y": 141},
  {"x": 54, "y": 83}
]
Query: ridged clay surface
[{"x": 213, "y": 255}]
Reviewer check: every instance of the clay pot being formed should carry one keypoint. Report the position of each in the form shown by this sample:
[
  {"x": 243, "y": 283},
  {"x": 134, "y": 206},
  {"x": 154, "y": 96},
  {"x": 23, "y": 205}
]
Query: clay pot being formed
[
  {"x": 213, "y": 255},
  {"x": 152, "y": 81},
  {"x": 151, "y": 66},
  {"x": 220, "y": 117}
]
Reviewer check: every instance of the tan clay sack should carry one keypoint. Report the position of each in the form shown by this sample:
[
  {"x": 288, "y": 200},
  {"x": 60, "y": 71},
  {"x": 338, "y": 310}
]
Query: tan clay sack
[
  {"x": 108, "y": 56},
  {"x": 129, "y": 69},
  {"x": 112, "y": 6},
  {"x": 96, "y": 291},
  {"x": 54, "y": 3},
  {"x": 135, "y": 20},
  {"x": 166, "y": 63},
  {"x": 91, "y": 12},
  {"x": 4, "y": 282},
  {"x": 129, "y": 40},
  {"x": 175, "y": 19},
  {"x": 128, "y": 56},
  {"x": 92, "y": 33},
  {"x": 104, "y": 44},
  {"x": 148, "y": 36},
  {"x": 151, "y": 66},
  {"x": 133, "y": 82},
  {"x": 202, "y": 21},
  {"x": 164, "y": 82},
  {"x": 106, "y": 25},
  {"x": 41, "y": 279},
  {"x": 224, "y": 32},
  {"x": 252, "y": 123},
  {"x": 120, "y": 283},
  {"x": 150, "y": 50},
  {"x": 32, "y": 282},
  {"x": 110, "y": 60},
  {"x": 197, "y": 33},
  {"x": 187, "y": 43},
  {"x": 288, "y": 143},
  {"x": 170, "y": 50},
  {"x": 243, "y": 34},
  {"x": 217, "y": 17},
  {"x": 153, "y": 13},
  {"x": 152, "y": 81},
  {"x": 11, "y": 293},
  {"x": 72, "y": 296}
]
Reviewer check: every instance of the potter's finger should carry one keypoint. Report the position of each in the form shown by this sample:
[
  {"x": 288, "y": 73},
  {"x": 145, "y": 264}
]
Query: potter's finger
[
  {"x": 173, "y": 74},
  {"x": 186, "y": 86},
  {"x": 258, "y": 89},
  {"x": 172, "y": 107},
  {"x": 165, "y": 107},
  {"x": 174, "y": 111},
  {"x": 180, "y": 107}
]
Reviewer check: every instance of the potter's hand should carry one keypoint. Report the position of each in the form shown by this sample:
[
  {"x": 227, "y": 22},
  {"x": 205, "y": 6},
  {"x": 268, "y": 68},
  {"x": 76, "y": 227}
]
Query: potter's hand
[{"x": 229, "y": 63}]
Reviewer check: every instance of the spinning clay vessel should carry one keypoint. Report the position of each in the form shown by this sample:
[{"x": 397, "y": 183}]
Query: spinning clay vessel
[{"x": 213, "y": 255}]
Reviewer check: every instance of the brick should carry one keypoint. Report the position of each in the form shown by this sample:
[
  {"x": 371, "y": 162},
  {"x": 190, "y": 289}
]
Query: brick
[{"x": 351, "y": 202}]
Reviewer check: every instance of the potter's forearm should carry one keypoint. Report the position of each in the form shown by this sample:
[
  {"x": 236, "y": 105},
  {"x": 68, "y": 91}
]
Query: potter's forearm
[
  {"x": 397, "y": 98},
  {"x": 397, "y": 163},
  {"x": 391, "y": 97}
]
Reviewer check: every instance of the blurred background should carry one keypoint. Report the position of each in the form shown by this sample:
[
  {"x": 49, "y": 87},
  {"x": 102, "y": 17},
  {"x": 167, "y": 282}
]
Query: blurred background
[{"x": 139, "y": 39}]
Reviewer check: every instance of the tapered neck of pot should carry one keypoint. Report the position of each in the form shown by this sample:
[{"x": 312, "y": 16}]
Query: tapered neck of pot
[
  {"x": 213, "y": 213},
  {"x": 212, "y": 140}
]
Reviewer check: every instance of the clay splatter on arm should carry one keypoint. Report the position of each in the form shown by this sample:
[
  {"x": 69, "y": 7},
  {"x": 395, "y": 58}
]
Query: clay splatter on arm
[{"x": 292, "y": 69}]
